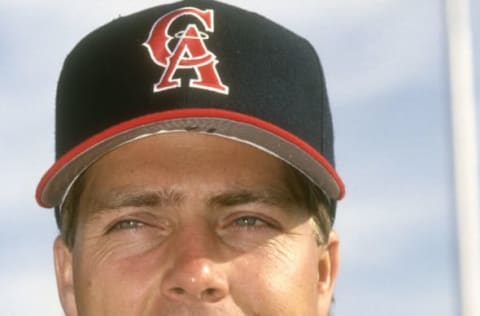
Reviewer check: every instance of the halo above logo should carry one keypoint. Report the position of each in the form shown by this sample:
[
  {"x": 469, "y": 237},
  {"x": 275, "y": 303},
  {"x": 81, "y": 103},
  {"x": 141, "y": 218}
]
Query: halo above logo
[{"x": 190, "y": 51}]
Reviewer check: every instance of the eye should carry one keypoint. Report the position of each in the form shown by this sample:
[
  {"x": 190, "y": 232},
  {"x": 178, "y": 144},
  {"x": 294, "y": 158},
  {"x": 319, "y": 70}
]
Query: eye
[
  {"x": 247, "y": 231},
  {"x": 128, "y": 224},
  {"x": 252, "y": 222},
  {"x": 249, "y": 221}
]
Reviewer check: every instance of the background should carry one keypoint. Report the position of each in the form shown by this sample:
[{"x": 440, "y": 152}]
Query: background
[{"x": 387, "y": 74}]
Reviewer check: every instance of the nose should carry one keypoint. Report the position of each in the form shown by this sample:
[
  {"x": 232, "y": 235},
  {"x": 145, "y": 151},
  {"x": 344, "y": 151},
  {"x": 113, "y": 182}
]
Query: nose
[{"x": 194, "y": 275}]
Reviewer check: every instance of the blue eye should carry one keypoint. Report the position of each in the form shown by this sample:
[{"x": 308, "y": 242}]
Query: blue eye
[
  {"x": 249, "y": 221},
  {"x": 128, "y": 224}
]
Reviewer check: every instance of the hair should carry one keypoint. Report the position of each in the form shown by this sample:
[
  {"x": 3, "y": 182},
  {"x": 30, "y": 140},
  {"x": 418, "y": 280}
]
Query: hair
[
  {"x": 311, "y": 198},
  {"x": 320, "y": 208}
]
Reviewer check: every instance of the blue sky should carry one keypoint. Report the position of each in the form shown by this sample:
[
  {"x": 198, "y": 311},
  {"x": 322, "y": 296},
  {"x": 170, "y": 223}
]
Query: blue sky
[{"x": 386, "y": 68}]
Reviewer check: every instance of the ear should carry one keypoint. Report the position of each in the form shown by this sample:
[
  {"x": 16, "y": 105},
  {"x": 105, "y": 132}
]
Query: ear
[
  {"x": 327, "y": 271},
  {"x": 64, "y": 274}
]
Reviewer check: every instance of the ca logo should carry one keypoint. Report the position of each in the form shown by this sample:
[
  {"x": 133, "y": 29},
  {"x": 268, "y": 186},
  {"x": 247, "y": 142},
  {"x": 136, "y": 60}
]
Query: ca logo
[{"x": 190, "y": 51}]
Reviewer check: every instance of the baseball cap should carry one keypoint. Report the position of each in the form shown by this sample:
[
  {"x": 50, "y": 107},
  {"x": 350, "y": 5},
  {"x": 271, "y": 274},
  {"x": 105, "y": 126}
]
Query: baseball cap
[{"x": 192, "y": 66}]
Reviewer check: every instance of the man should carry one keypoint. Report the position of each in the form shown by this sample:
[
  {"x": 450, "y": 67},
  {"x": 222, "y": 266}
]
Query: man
[{"x": 194, "y": 171}]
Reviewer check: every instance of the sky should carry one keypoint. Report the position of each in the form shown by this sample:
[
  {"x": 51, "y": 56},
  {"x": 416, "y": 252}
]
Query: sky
[{"x": 386, "y": 66}]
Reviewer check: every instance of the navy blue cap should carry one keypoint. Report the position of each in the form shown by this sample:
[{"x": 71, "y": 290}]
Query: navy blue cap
[{"x": 199, "y": 66}]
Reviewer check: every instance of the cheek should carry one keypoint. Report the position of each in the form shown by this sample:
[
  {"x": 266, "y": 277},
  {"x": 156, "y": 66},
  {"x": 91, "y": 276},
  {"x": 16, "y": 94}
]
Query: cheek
[
  {"x": 116, "y": 286},
  {"x": 282, "y": 273}
]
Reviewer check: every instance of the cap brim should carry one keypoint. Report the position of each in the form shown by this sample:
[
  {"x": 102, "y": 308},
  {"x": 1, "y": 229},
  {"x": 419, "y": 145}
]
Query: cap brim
[{"x": 236, "y": 126}]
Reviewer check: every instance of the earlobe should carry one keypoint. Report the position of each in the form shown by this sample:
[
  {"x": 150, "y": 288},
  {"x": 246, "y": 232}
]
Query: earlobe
[
  {"x": 64, "y": 274},
  {"x": 328, "y": 265}
]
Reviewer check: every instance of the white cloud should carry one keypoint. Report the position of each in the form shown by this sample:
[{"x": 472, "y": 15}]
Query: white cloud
[
  {"x": 376, "y": 53},
  {"x": 410, "y": 300},
  {"x": 29, "y": 293}
]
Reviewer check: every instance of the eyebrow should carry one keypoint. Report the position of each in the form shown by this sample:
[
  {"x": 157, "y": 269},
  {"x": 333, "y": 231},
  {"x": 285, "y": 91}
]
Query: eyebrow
[
  {"x": 274, "y": 197},
  {"x": 139, "y": 198}
]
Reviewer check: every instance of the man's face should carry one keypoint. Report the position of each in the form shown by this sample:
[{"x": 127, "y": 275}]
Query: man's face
[{"x": 190, "y": 224}]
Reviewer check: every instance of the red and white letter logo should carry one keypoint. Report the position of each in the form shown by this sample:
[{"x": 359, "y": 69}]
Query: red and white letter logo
[{"x": 190, "y": 51}]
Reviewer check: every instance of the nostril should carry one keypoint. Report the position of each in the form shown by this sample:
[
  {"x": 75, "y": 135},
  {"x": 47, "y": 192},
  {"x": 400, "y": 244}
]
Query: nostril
[
  {"x": 209, "y": 292},
  {"x": 178, "y": 291},
  {"x": 211, "y": 295},
  {"x": 208, "y": 295}
]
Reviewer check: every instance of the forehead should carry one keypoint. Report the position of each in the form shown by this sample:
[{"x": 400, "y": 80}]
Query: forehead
[
  {"x": 188, "y": 160},
  {"x": 182, "y": 152}
]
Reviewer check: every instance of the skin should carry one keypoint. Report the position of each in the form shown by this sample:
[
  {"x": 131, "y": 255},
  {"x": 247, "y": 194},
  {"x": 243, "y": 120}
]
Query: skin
[{"x": 193, "y": 224}]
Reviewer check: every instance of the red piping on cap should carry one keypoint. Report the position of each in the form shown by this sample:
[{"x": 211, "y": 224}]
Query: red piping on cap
[{"x": 177, "y": 114}]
